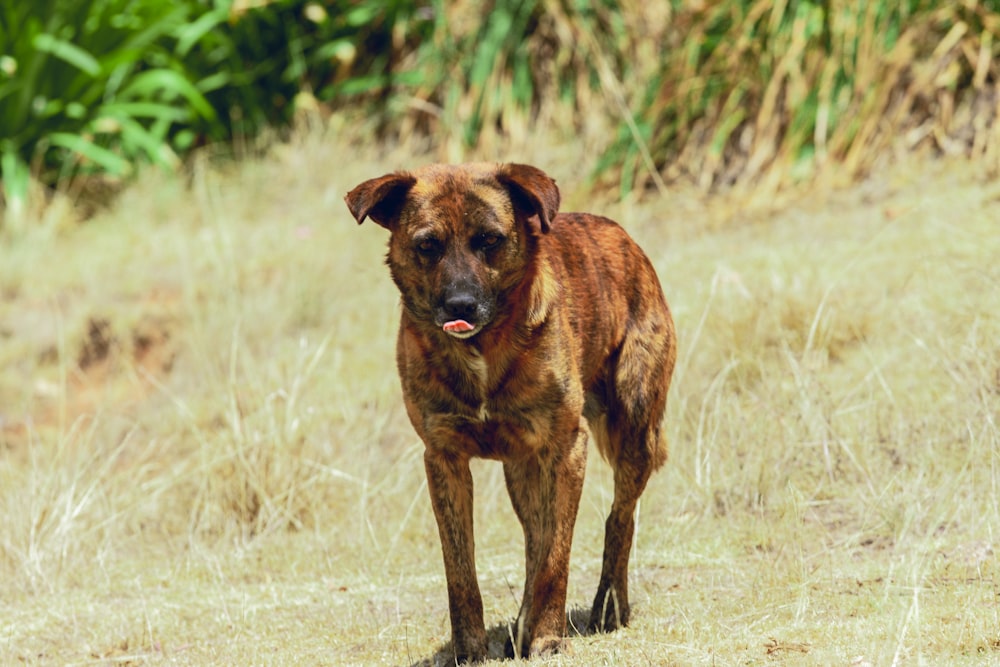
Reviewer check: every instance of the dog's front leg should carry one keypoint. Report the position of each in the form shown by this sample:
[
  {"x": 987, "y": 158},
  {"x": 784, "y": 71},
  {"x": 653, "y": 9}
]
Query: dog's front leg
[
  {"x": 545, "y": 491},
  {"x": 450, "y": 483}
]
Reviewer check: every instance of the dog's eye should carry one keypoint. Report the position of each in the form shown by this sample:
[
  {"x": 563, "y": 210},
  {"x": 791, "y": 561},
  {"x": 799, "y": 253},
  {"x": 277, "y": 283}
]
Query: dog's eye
[
  {"x": 488, "y": 241},
  {"x": 428, "y": 247}
]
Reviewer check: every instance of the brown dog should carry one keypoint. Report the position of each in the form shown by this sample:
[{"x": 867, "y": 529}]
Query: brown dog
[{"x": 518, "y": 325}]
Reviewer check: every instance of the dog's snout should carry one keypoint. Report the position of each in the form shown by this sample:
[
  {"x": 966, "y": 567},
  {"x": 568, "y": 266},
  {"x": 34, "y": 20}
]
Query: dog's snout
[
  {"x": 461, "y": 305},
  {"x": 463, "y": 309}
]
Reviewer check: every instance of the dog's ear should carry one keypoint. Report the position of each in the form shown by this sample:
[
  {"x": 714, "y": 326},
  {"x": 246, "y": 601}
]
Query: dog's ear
[
  {"x": 532, "y": 191},
  {"x": 380, "y": 199}
]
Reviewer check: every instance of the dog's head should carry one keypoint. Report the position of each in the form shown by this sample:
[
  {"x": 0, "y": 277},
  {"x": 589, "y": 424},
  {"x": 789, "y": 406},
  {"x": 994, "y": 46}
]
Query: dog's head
[{"x": 462, "y": 236}]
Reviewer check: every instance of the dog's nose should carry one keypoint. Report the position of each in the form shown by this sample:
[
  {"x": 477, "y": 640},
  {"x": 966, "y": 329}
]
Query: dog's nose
[{"x": 461, "y": 306}]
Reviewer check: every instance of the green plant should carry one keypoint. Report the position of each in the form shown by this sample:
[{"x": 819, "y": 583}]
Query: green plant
[
  {"x": 717, "y": 93},
  {"x": 78, "y": 92},
  {"x": 496, "y": 70},
  {"x": 252, "y": 62},
  {"x": 744, "y": 87},
  {"x": 96, "y": 88}
]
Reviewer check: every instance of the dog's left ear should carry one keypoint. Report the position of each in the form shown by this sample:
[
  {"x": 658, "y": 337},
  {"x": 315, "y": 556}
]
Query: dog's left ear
[
  {"x": 380, "y": 199},
  {"x": 532, "y": 191}
]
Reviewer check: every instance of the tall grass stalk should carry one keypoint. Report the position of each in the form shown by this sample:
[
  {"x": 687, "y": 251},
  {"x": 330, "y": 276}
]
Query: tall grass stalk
[{"x": 718, "y": 94}]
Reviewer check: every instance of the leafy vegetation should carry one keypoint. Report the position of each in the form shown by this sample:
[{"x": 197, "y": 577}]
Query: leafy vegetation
[
  {"x": 71, "y": 81},
  {"x": 746, "y": 86},
  {"x": 717, "y": 93},
  {"x": 97, "y": 87}
]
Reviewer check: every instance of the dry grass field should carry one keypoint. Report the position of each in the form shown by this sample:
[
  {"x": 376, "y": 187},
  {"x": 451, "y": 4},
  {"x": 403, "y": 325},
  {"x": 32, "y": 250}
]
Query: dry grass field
[{"x": 204, "y": 458}]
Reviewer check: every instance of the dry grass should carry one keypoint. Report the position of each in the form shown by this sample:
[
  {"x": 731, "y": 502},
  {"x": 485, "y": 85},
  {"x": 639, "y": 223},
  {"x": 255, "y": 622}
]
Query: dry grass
[{"x": 204, "y": 460}]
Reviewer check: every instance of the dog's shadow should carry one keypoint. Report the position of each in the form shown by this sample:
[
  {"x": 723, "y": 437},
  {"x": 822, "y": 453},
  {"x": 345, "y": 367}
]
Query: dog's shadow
[{"x": 500, "y": 640}]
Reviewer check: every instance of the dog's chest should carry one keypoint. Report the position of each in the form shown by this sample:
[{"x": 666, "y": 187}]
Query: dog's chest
[
  {"x": 498, "y": 418},
  {"x": 479, "y": 377}
]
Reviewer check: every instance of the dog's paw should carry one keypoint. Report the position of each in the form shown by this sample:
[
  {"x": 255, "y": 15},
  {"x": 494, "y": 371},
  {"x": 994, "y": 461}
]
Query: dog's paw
[
  {"x": 468, "y": 658},
  {"x": 471, "y": 651},
  {"x": 608, "y": 618},
  {"x": 546, "y": 646},
  {"x": 540, "y": 647}
]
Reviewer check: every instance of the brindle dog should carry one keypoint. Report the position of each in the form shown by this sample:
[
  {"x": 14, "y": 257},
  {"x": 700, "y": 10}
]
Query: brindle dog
[{"x": 519, "y": 328}]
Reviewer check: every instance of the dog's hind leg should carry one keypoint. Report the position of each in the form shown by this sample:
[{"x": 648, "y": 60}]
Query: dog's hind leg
[
  {"x": 628, "y": 433},
  {"x": 611, "y": 608}
]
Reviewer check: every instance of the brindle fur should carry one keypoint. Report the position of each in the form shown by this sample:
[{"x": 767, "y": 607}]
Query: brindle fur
[{"x": 571, "y": 330}]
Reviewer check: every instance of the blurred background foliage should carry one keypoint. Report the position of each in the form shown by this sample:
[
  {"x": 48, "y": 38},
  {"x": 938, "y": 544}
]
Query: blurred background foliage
[{"x": 718, "y": 93}]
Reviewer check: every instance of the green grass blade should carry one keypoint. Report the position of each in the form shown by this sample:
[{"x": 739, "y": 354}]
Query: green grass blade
[
  {"x": 168, "y": 84},
  {"x": 107, "y": 160},
  {"x": 144, "y": 109},
  {"x": 16, "y": 178},
  {"x": 68, "y": 52},
  {"x": 191, "y": 33},
  {"x": 151, "y": 142}
]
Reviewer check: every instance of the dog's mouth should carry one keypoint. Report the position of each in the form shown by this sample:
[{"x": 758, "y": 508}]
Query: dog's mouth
[
  {"x": 463, "y": 311},
  {"x": 461, "y": 328}
]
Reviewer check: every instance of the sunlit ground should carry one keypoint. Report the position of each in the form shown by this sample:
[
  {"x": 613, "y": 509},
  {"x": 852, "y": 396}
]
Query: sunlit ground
[{"x": 204, "y": 458}]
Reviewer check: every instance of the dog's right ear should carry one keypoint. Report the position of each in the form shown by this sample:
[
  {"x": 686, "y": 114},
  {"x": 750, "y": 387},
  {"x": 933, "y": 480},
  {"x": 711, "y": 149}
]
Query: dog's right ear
[{"x": 380, "y": 199}]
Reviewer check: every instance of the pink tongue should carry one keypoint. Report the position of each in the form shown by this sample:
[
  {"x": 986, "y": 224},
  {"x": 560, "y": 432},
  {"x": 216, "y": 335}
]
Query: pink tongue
[{"x": 458, "y": 326}]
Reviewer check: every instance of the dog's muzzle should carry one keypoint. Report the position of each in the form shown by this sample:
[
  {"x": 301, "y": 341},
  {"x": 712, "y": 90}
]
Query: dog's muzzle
[{"x": 463, "y": 311}]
